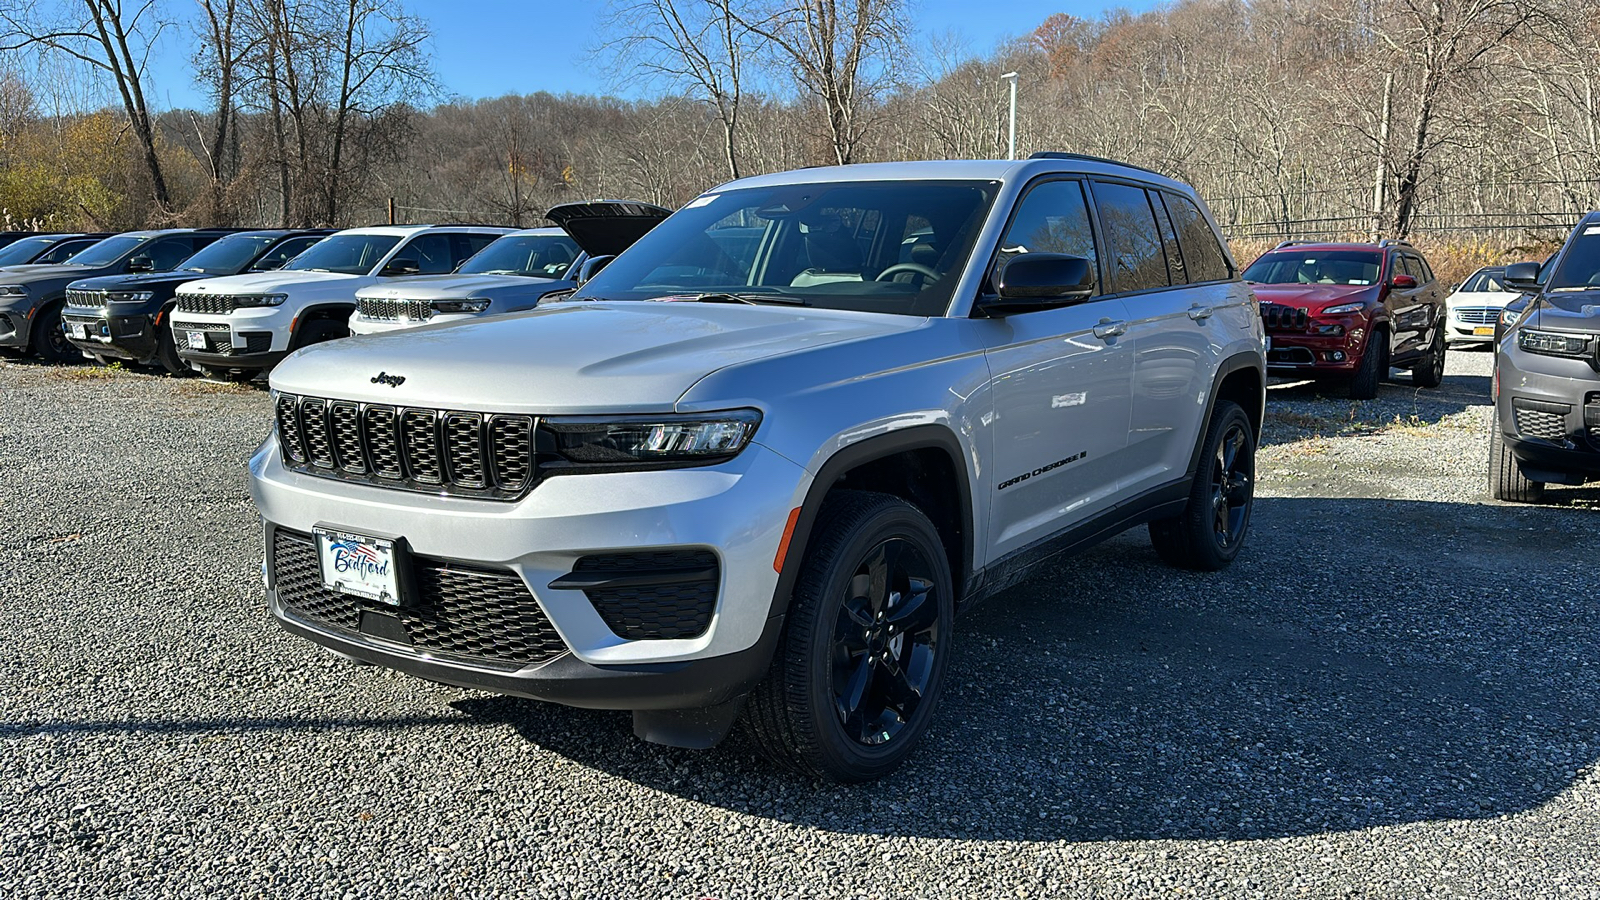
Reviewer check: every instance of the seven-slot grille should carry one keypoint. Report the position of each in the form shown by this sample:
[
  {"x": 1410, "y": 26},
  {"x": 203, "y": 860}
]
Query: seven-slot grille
[
  {"x": 215, "y": 304},
  {"x": 393, "y": 310},
  {"x": 1283, "y": 318},
  {"x": 482, "y": 615},
  {"x": 1477, "y": 315},
  {"x": 90, "y": 299},
  {"x": 471, "y": 454}
]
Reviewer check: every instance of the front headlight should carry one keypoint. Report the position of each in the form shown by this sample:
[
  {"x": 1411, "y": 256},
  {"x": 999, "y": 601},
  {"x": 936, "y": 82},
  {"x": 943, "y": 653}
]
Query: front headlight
[
  {"x": 244, "y": 300},
  {"x": 635, "y": 442},
  {"x": 459, "y": 306},
  {"x": 1553, "y": 343},
  {"x": 1509, "y": 317},
  {"x": 131, "y": 296},
  {"x": 13, "y": 290},
  {"x": 1343, "y": 309}
]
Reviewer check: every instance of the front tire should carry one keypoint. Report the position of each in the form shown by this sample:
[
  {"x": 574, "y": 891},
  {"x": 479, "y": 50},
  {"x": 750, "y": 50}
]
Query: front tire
[
  {"x": 1373, "y": 369},
  {"x": 1209, "y": 532},
  {"x": 859, "y": 669},
  {"x": 1506, "y": 481},
  {"x": 49, "y": 341},
  {"x": 167, "y": 346},
  {"x": 1429, "y": 373}
]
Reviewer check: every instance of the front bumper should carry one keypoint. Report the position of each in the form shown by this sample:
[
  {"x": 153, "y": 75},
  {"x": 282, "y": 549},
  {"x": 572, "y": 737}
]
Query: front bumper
[
  {"x": 15, "y": 323},
  {"x": 122, "y": 336},
  {"x": 1548, "y": 411},
  {"x": 360, "y": 324},
  {"x": 251, "y": 339},
  {"x": 1298, "y": 352},
  {"x": 737, "y": 510}
]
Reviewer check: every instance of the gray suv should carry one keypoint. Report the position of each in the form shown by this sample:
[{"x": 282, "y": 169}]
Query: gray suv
[
  {"x": 758, "y": 463},
  {"x": 1546, "y": 428}
]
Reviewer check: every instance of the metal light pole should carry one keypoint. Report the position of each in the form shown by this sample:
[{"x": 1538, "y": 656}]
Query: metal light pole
[{"x": 1011, "y": 141}]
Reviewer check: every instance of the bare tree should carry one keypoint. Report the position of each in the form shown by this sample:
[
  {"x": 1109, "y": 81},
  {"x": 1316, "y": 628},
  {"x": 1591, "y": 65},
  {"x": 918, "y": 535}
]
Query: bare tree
[
  {"x": 106, "y": 35},
  {"x": 699, "y": 47},
  {"x": 224, "y": 47},
  {"x": 843, "y": 55}
]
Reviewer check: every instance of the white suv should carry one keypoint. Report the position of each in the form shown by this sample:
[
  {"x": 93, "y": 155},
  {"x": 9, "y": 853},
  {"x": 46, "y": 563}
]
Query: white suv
[
  {"x": 759, "y": 462},
  {"x": 249, "y": 322}
]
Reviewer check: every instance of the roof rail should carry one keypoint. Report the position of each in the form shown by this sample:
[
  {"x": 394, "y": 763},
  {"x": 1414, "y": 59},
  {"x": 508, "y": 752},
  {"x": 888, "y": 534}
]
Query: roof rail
[
  {"x": 1393, "y": 242},
  {"x": 1084, "y": 157},
  {"x": 1283, "y": 244}
]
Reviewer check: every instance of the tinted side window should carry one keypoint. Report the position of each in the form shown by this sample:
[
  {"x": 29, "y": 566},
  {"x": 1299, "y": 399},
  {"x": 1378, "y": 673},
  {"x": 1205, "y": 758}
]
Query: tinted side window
[
  {"x": 1202, "y": 254},
  {"x": 65, "y": 249},
  {"x": 166, "y": 253},
  {"x": 1176, "y": 273},
  {"x": 285, "y": 251},
  {"x": 431, "y": 253},
  {"x": 1052, "y": 218},
  {"x": 468, "y": 245},
  {"x": 1133, "y": 245},
  {"x": 1424, "y": 274}
]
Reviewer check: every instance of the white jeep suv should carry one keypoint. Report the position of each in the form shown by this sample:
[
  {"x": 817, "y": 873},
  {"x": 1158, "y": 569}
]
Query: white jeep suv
[
  {"x": 758, "y": 462},
  {"x": 247, "y": 323}
]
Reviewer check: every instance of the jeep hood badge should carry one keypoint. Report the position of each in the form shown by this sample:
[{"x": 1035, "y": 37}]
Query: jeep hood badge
[{"x": 390, "y": 380}]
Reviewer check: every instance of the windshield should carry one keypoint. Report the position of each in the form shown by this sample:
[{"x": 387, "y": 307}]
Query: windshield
[
  {"x": 229, "y": 255},
  {"x": 349, "y": 254},
  {"x": 884, "y": 246},
  {"x": 107, "y": 251},
  {"x": 1315, "y": 267},
  {"x": 544, "y": 255},
  {"x": 1484, "y": 281},
  {"x": 23, "y": 251},
  {"x": 1578, "y": 269}
]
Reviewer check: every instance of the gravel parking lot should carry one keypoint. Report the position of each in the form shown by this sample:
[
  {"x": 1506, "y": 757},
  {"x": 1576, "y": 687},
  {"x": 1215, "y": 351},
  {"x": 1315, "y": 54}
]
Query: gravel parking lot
[{"x": 1391, "y": 693}]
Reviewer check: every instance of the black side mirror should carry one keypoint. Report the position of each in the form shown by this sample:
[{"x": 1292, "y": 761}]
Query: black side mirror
[
  {"x": 141, "y": 264},
  {"x": 592, "y": 266},
  {"x": 1033, "y": 281},
  {"x": 267, "y": 265},
  {"x": 1522, "y": 276},
  {"x": 401, "y": 267}
]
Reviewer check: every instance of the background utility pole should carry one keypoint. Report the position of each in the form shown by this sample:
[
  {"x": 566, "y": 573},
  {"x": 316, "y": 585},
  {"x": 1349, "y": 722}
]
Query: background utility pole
[
  {"x": 1011, "y": 141},
  {"x": 1380, "y": 181}
]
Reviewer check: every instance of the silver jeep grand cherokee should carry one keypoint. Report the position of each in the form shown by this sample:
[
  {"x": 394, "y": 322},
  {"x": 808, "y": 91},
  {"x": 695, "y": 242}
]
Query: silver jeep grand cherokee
[{"x": 760, "y": 461}]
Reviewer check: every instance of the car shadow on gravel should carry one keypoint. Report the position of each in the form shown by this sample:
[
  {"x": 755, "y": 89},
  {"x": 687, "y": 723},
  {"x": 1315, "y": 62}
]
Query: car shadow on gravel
[
  {"x": 1364, "y": 663},
  {"x": 1300, "y": 410}
]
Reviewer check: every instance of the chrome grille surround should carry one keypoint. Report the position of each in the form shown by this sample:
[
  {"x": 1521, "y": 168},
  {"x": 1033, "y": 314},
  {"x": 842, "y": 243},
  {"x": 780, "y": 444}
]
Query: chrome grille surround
[
  {"x": 214, "y": 304},
  {"x": 487, "y": 456},
  {"x": 1477, "y": 315},
  {"x": 86, "y": 299}
]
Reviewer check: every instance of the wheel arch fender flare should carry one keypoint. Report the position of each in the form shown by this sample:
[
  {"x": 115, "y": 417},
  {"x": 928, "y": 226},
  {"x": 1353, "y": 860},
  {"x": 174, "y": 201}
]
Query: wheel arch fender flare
[
  {"x": 916, "y": 437},
  {"x": 1245, "y": 361}
]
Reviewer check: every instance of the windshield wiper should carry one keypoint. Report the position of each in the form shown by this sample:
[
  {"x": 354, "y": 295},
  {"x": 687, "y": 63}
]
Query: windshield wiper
[{"x": 753, "y": 299}]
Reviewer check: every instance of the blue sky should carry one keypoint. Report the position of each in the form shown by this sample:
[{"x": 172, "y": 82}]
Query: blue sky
[{"x": 486, "y": 48}]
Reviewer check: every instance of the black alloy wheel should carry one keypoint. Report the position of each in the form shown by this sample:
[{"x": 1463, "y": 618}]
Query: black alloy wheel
[
  {"x": 50, "y": 339},
  {"x": 857, "y": 675},
  {"x": 1232, "y": 485},
  {"x": 1429, "y": 372},
  {"x": 884, "y": 642},
  {"x": 1210, "y": 531}
]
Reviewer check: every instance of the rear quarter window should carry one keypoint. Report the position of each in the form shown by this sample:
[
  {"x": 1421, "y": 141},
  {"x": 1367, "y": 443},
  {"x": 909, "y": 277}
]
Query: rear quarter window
[{"x": 1202, "y": 254}]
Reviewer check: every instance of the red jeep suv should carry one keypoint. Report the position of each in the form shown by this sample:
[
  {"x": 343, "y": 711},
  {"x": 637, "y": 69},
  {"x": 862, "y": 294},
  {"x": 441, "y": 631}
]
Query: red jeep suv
[{"x": 1347, "y": 312}]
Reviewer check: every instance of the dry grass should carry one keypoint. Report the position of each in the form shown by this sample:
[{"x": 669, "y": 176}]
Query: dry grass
[
  {"x": 93, "y": 373},
  {"x": 1452, "y": 258}
]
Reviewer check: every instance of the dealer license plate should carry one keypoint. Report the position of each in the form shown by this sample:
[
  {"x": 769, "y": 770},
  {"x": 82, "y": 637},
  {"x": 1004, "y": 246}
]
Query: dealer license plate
[
  {"x": 83, "y": 331},
  {"x": 1483, "y": 329},
  {"x": 197, "y": 340},
  {"x": 358, "y": 565}
]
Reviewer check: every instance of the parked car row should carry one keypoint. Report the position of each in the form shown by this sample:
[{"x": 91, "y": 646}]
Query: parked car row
[
  {"x": 747, "y": 460},
  {"x": 230, "y": 302}
]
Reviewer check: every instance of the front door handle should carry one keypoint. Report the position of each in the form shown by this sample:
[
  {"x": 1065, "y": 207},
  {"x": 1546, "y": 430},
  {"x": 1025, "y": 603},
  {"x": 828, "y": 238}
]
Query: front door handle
[
  {"x": 1109, "y": 329},
  {"x": 1200, "y": 313}
]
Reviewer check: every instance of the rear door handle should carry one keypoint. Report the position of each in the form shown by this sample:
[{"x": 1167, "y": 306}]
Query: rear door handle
[
  {"x": 1109, "y": 329},
  {"x": 1200, "y": 313}
]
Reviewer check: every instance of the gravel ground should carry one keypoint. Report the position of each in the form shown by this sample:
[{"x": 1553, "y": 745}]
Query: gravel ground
[{"x": 1390, "y": 694}]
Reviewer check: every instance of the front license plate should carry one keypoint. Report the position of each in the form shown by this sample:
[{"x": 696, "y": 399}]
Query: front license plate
[
  {"x": 197, "y": 340},
  {"x": 358, "y": 565},
  {"x": 1483, "y": 329},
  {"x": 1268, "y": 347}
]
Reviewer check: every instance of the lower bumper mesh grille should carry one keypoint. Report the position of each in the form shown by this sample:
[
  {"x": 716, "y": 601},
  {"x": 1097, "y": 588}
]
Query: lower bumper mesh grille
[
  {"x": 1541, "y": 424},
  {"x": 674, "y": 594},
  {"x": 472, "y": 614}
]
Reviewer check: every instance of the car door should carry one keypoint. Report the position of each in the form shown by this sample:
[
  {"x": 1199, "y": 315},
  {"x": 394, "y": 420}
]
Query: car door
[
  {"x": 1059, "y": 379},
  {"x": 1408, "y": 308},
  {"x": 1173, "y": 329}
]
